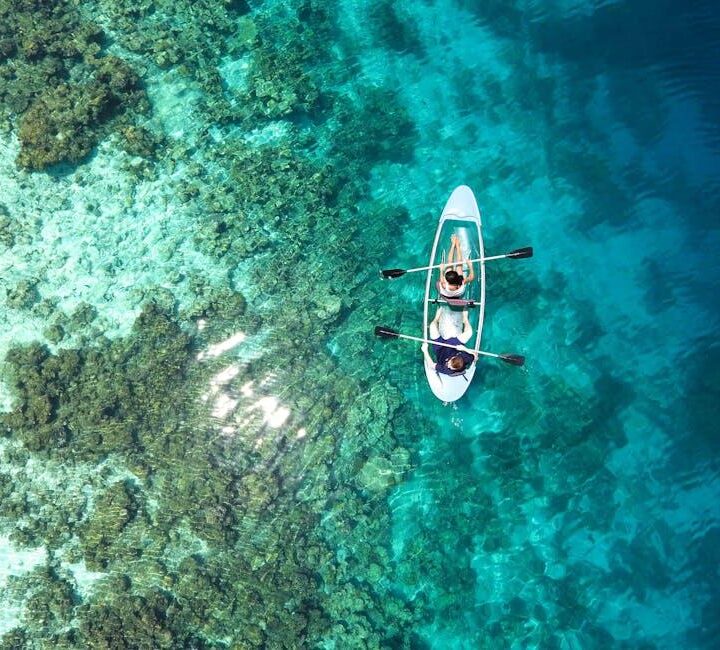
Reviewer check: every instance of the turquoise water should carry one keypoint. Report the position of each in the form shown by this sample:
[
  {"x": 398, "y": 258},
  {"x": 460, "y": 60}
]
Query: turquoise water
[{"x": 205, "y": 446}]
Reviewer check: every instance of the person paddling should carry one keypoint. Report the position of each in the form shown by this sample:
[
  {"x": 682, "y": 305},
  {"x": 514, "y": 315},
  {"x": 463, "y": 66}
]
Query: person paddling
[
  {"x": 452, "y": 281},
  {"x": 443, "y": 329}
]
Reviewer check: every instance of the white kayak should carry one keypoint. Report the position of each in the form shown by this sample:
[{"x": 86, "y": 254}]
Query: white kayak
[{"x": 461, "y": 217}]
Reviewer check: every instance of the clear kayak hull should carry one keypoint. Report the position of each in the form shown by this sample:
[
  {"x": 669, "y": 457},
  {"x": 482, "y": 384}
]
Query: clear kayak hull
[{"x": 460, "y": 217}]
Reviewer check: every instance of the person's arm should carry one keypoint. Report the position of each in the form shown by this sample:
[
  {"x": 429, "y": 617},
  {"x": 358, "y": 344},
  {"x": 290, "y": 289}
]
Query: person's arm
[
  {"x": 455, "y": 255},
  {"x": 470, "y": 277},
  {"x": 426, "y": 354}
]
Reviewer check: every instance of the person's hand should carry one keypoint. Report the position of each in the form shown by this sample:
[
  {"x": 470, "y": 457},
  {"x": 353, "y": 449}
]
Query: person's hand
[
  {"x": 465, "y": 317},
  {"x": 468, "y": 350}
]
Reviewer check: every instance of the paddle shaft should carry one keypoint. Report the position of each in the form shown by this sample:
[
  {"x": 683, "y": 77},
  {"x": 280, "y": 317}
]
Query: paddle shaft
[
  {"x": 457, "y": 263},
  {"x": 446, "y": 345}
]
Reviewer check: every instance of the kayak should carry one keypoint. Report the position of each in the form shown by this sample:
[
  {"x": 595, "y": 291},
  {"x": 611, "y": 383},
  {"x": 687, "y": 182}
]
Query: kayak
[{"x": 461, "y": 217}]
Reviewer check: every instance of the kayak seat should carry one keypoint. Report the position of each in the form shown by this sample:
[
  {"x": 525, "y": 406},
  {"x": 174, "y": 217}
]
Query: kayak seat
[
  {"x": 460, "y": 302},
  {"x": 455, "y": 302}
]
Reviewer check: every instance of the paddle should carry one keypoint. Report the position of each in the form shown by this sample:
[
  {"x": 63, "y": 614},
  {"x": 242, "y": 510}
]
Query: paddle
[
  {"x": 518, "y": 254},
  {"x": 387, "y": 333}
]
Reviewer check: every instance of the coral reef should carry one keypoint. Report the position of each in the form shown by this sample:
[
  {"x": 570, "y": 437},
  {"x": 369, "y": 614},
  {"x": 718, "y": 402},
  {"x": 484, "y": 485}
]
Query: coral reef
[
  {"x": 112, "y": 511},
  {"x": 150, "y": 620},
  {"x": 56, "y": 83},
  {"x": 373, "y": 130},
  {"x": 97, "y": 391},
  {"x": 185, "y": 34},
  {"x": 113, "y": 401},
  {"x": 53, "y": 598},
  {"x": 23, "y": 295},
  {"x": 280, "y": 82},
  {"x": 8, "y": 227},
  {"x": 42, "y": 42},
  {"x": 139, "y": 141},
  {"x": 65, "y": 122}
]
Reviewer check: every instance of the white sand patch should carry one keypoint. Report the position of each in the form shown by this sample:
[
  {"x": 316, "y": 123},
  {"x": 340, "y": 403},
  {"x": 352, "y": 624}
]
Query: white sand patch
[
  {"x": 183, "y": 543},
  {"x": 14, "y": 562},
  {"x": 174, "y": 101},
  {"x": 84, "y": 579},
  {"x": 233, "y": 72},
  {"x": 267, "y": 135}
]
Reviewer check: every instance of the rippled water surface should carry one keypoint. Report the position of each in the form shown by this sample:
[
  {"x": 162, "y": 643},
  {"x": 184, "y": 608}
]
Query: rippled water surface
[{"x": 204, "y": 444}]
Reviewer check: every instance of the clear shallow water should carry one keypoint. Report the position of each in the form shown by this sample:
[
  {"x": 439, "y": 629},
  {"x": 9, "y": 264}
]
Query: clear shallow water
[{"x": 299, "y": 485}]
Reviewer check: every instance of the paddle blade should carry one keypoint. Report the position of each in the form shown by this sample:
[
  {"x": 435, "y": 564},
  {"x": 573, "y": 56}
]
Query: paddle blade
[
  {"x": 522, "y": 253},
  {"x": 393, "y": 273},
  {"x": 384, "y": 332},
  {"x": 513, "y": 359}
]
